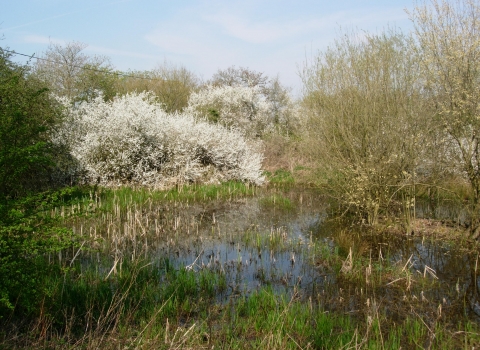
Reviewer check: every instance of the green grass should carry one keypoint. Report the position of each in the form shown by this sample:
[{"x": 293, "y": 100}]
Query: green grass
[
  {"x": 277, "y": 201},
  {"x": 225, "y": 191},
  {"x": 149, "y": 301},
  {"x": 126, "y": 197},
  {"x": 280, "y": 177},
  {"x": 156, "y": 305}
]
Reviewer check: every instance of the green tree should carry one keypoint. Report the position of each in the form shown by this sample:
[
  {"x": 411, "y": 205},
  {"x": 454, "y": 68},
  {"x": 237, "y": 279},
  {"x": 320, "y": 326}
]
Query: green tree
[
  {"x": 96, "y": 80},
  {"x": 27, "y": 115}
]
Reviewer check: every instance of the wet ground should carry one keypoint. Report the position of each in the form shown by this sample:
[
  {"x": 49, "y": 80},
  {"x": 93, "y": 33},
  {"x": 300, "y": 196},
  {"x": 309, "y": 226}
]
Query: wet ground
[{"x": 286, "y": 241}]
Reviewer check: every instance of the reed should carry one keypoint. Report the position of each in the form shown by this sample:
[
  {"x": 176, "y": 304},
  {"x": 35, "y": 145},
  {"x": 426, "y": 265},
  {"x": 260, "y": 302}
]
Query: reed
[{"x": 153, "y": 271}]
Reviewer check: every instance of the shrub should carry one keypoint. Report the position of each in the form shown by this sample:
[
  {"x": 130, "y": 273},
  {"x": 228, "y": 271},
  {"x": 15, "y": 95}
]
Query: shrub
[
  {"x": 282, "y": 110},
  {"x": 27, "y": 114},
  {"x": 29, "y": 238},
  {"x": 133, "y": 140},
  {"x": 365, "y": 105},
  {"x": 447, "y": 41},
  {"x": 238, "y": 107}
]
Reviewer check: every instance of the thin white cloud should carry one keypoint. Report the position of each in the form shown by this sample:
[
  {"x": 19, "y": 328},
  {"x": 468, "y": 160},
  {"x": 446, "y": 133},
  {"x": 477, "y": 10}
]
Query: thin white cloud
[
  {"x": 39, "y": 21},
  {"x": 192, "y": 30},
  {"x": 270, "y": 31},
  {"x": 210, "y": 37},
  {"x": 243, "y": 28},
  {"x": 40, "y": 39},
  {"x": 175, "y": 43},
  {"x": 271, "y": 36},
  {"x": 115, "y": 52}
]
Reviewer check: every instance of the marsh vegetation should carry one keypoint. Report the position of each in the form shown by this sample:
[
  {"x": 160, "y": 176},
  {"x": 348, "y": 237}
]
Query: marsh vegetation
[
  {"x": 234, "y": 266},
  {"x": 172, "y": 213}
]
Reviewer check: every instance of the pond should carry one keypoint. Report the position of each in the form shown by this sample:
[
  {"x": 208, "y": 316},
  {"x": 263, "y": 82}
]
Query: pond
[{"x": 285, "y": 240}]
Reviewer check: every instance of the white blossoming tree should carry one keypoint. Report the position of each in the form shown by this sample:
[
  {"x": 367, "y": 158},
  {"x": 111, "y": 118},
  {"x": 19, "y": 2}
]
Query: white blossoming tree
[
  {"x": 133, "y": 140},
  {"x": 239, "y": 107},
  {"x": 448, "y": 35}
]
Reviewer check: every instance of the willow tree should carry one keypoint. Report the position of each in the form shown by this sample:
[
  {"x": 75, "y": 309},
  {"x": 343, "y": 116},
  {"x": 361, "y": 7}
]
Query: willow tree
[
  {"x": 363, "y": 98},
  {"x": 448, "y": 38}
]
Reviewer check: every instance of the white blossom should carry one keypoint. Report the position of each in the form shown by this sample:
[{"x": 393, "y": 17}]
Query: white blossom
[
  {"x": 244, "y": 108},
  {"x": 133, "y": 140}
]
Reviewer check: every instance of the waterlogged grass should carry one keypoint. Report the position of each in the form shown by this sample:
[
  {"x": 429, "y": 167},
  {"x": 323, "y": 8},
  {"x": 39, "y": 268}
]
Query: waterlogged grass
[
  {"x": 125, "y": 285},
  {"x": 134, "y": 311},
  {"x": 90, "y": 199},
  {"x": 96, "y": 301},
  {"x": 269, "y": 320},
  {"x": 128, "y": 196},
  {"x": 156, "y": 306},
  {"x": 225, "y": 191},
  {"x": 278, "y": 202},
  {"x": 280, "y": 177},
  {"x": 277, "y": 239}
]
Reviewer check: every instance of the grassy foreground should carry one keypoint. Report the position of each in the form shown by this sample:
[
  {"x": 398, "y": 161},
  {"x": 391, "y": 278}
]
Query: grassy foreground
[{"x": 108, "y": 288}]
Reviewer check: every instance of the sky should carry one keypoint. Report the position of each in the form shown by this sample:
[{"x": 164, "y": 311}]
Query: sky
[{"x": 275, "y": 37}]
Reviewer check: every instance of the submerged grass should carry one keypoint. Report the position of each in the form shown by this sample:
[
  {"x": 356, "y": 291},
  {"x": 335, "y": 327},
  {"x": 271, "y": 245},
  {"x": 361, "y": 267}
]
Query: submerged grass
[
  {"x": 125, "y": 197},
  {"x": 276, "y": 239}
]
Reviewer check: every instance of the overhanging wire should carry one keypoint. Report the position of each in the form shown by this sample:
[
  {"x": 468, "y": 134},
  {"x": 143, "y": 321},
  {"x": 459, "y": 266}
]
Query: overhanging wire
[{"x": 80, "y": 67}]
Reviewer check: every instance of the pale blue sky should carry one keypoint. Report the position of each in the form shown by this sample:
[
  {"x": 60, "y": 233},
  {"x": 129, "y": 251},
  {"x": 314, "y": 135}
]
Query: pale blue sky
[{"x": 270, "y": 36}]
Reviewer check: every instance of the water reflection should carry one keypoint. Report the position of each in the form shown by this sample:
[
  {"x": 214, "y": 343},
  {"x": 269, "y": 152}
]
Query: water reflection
[{"x": 254, "y": 243}]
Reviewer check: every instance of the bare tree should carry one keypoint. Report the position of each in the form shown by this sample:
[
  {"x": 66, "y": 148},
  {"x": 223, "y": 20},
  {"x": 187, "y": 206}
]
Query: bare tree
[
  {"x": 70, "y": 72},
  {"x": 239, "y": 76},
  {"x": 282, "y": 104}
]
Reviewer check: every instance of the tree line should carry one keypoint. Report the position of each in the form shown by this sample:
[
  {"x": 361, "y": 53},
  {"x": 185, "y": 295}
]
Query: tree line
[{"x": 383, "y": 119}]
